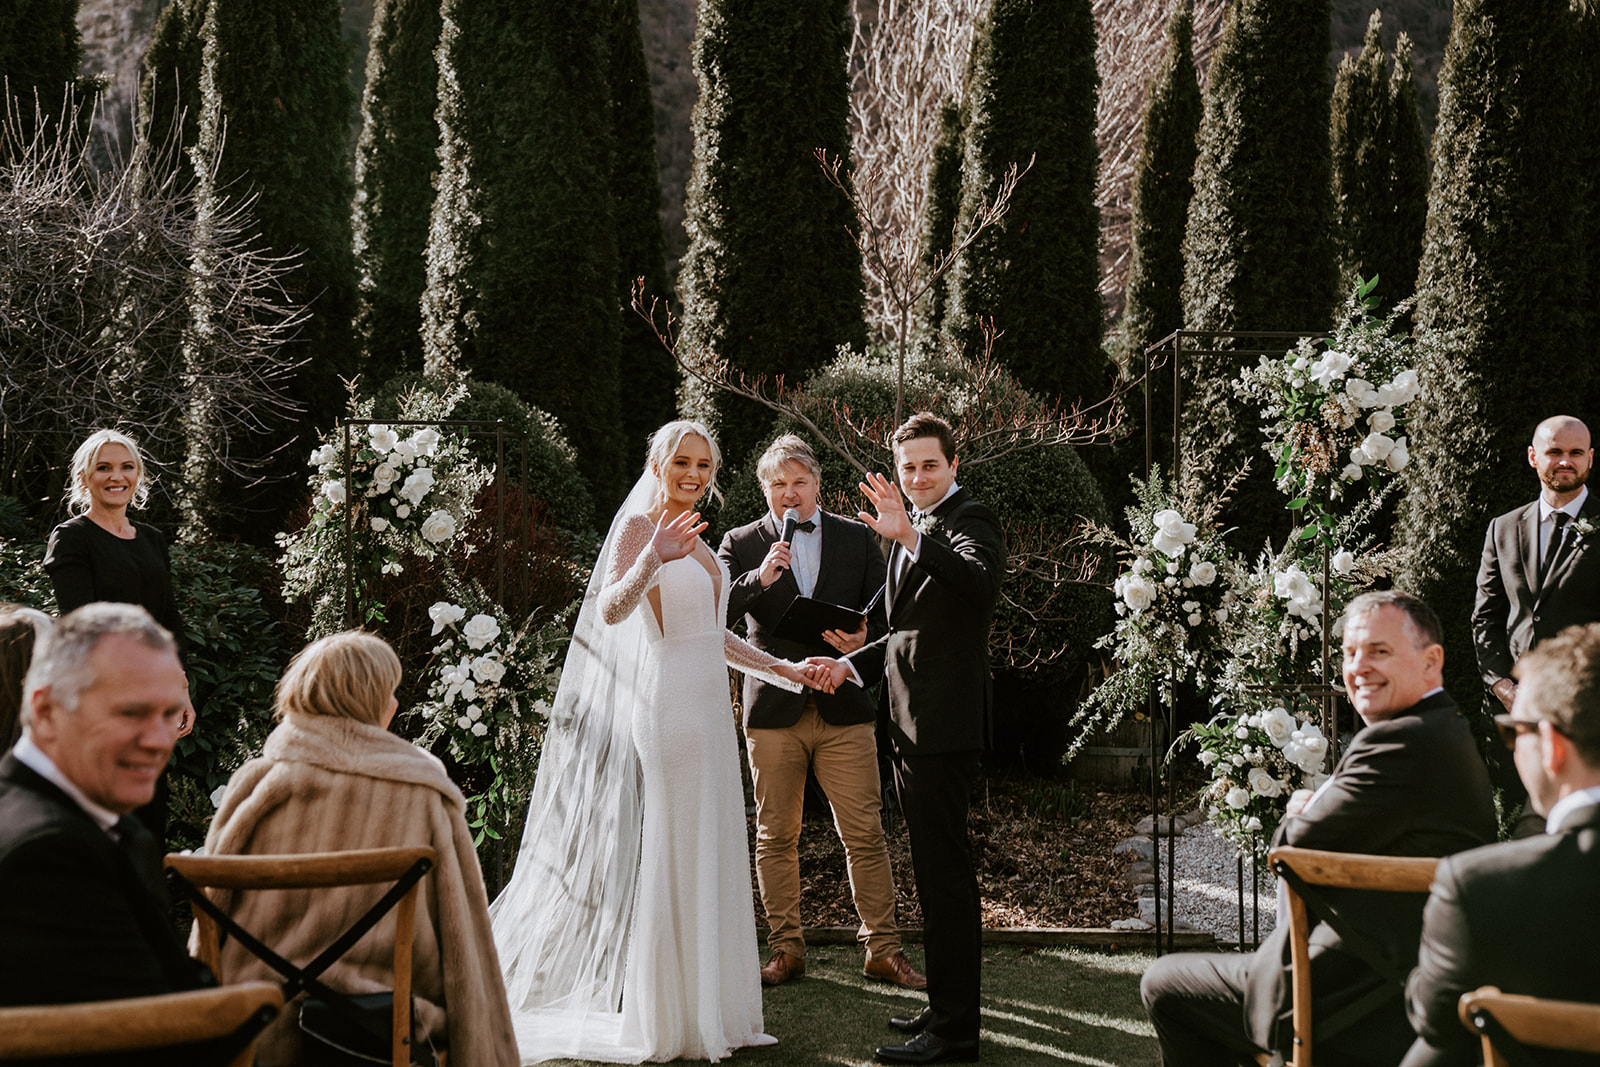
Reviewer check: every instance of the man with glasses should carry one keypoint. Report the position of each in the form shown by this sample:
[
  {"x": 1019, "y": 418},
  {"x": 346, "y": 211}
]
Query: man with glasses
[
  {"x": 1410, "y": 784},
  {"x": 1521, "y": 915}
]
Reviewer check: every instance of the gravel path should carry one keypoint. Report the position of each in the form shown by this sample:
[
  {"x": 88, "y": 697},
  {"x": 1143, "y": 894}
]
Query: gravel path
[{"x": 1206, "y": 888}]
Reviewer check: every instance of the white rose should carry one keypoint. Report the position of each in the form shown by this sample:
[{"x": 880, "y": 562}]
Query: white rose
[
  {"x": 1402, "y": 390},
  {"x": 464, "y": 722},
  {"x": 1241, "y": 732},
  {"x": 1304, "y": 600},
  {"x": 1236, "y": 760},
  {"x": 383, "y": 439},
  {"x": 1398, "y": 456},
  {"x": 1237, "y": 798},
  {"x": 1137, "y": 592},
  {"x": 383, "y": 475},
  {"x": 379, "y": 524},
  {"x": 426, "y": 441},
  {"x": 323, "y": 456},
  {"x": 1359, "y": 458},
  {"x": 334, "y": 491},
  {"x": 488, "y": 670},
  {"x": 1207, "y": 758},
  {"x": 1351, "y": 473},
  {"x": 439, "y": 527},
  {"x": 1376, "y": 446},
  {"x": 1172, "y": 533},
  {"x": 445, "y": 614},
  {"x": 417, "y": 485},
  {"x": 479, "y": 729},
  {"x": 1330, "y": 368},
  {"x": 480, "y": 630},
  {"x": 1343, "y": 562},
  {"x": 1191, "y": 605},
  {"x": 1172, "y": 568},
  {"x": 402, "y": 511},
  {"x": 1194, "y": 620},
  {"x": 1203, "y": 572},
  {"x": 1381, "y": 421},
  {"x": 1263, "y": 784},
  {"x": 1278, "y": 724},
  {"x": 474, "y": 712},
  {"x": 404, "y": 452},
  {"x": 1361, "y": 392},
  {"x": 1252, "y": 824}
]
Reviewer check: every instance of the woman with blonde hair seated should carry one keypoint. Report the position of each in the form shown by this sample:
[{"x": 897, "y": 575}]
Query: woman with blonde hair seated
[{"x": 332, "y": 778}]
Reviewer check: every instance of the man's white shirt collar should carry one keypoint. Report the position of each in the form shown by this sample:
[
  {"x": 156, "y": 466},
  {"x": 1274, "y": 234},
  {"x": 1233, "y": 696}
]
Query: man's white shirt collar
[
  {"x": 1580, "y": 798},
  {"x": 32, "y": 757},
  {"x": 1571, "y": 507}
]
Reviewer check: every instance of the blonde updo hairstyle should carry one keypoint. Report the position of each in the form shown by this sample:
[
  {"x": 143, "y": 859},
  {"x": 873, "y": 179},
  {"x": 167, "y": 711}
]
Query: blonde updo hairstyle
[
  {"x": 83, "y": 461},
  {"x": 350, "y": 675},
  {"x": 664, "y": 445}
]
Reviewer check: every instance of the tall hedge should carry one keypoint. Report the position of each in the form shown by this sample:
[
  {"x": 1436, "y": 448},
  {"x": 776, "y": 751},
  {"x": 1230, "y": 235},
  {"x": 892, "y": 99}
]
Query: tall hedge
[
  {"x": 1163, "y": 182},
  {"x": 169, "y": 85},
  {"x": 771, "y": 281},
  {"x": 1586, "y": 61},
  {"x": 943, "y": 208},
  {"x": 41, "y": 50},
  {"x": 1410, "y": 171},
  {"x": 1258, "y": 254},
  {"x": 1031, "y": 94},
  {"x": 650, "y": 374},
  {"x": 1500, "y": 297},
  {"x": 1360, "y": 142},
  {"x": 397, "y": 163},
  {"x": 522, "y": 249}
]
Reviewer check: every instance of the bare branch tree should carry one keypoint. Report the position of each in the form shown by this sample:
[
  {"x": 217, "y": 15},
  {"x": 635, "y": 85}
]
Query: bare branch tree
[{"x": 98, "y": 308}]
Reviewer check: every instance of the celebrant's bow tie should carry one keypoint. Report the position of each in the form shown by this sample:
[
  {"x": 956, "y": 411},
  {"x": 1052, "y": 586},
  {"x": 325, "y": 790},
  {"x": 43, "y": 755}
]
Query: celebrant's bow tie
[{"x": 807, "y": 526}]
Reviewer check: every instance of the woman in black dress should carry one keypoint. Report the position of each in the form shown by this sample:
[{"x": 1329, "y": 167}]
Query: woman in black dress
[{"x": 101, "y": 554}]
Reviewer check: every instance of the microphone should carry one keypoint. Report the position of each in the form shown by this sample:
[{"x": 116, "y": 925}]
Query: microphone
[{"x": 791, "y": 519}]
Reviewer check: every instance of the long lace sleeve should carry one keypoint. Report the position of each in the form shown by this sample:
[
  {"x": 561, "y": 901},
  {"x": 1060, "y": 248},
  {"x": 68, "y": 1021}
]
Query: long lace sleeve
[
  {"x": 743, "y": 656},
  {"x": 631, "y": 572}
]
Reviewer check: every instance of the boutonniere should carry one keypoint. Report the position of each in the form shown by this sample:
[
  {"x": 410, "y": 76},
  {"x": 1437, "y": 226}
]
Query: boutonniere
[
  {"x": 1582, "y": 526},
  {"x": 925, "y": 523}
]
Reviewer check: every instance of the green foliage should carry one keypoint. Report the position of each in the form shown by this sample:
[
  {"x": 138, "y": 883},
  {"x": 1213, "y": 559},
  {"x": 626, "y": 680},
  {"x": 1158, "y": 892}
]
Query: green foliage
[
  {"x": 943, "y": 208},
  {"x": 1409, "y": 173},
  {"x": 522, "y": 250},
  {"x": 1059, "y": 802},
  {"x": 771, "y": 281},
  {"x": 1586, "y": 64},
  {"x": 650, "y": 374},
  {"x": 1502, "y": 283},
  {"x": 169, "y": 86},
  {"x": 1257, "y": 251},
  {"x": 40, "y": 52},
  {"x": 22, "y": 577},
  {"x": 553, "y": 476},
  {"x": 1031, "y": 95},
  {"x": 396, "y": 165}
]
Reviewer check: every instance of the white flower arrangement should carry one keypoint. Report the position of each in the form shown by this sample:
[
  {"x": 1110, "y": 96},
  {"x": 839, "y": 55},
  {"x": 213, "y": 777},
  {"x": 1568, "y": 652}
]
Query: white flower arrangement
[{"x": 1256, "y": 759}]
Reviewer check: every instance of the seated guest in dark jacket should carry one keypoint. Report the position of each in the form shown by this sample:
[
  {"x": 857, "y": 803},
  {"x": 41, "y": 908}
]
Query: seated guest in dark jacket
[
  {"x": 82, "y": 915},
  {"x": 1521, "y": 915},
  {"x": 1411, "y": 784}
]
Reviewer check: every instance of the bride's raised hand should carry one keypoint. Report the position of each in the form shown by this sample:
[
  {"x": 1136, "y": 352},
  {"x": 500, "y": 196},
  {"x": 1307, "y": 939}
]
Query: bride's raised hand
[{"x": 674, "y": 538}]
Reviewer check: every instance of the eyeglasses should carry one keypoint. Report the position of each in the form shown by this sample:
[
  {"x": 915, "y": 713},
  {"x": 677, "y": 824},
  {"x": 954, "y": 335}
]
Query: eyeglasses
[{"x": 1509, "y": 727}]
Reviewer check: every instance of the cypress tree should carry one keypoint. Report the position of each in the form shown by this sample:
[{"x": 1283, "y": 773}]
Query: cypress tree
[
  {"x": 771, "y": 281},
  {"x": 650, "y": 374},
  {"x": 1500, "y": 286},
  {"x": 1409, "y": 173},
  {"x": 1257, "y": 250},
  {"x": 396, "y": 164},
  {"x": 1031, "y": 94},
  {"x": 275, "y": 83},
  {"x": 169, "y": 85},
  {"x": 1360, "y": 146},
  {"x": 943, "y": 207},
  {"x": 522, "y": 249},
  {"x": 1162, "y": 185},
  {"x": 40, "y": 53}
]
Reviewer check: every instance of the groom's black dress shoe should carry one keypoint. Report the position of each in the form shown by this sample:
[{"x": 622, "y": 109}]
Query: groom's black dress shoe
[
  {"x": 912, "y": 1024},
  {"x": 928, "y": 1047}
]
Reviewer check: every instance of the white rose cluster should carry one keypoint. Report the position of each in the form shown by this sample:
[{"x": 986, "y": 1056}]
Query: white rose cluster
[
  {"x": 1303, "y": 597},
  {"x": 1173, "y": 535}
]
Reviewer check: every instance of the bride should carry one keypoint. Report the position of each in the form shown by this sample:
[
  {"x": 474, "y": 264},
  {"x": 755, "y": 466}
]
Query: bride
[{"x": 627, "y": 932}]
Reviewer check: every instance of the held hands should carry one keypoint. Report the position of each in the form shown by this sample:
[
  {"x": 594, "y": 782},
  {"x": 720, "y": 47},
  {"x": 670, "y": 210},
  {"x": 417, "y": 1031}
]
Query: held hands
[
  {"x": 776, "y": 563},
  {"x": 826, "y": 674},
  {"x": 675, "y": 538},
  {"x": 846, "y": 643},
  {"x": 891, "y": 521},
  {"x": 798, "y": 673}
]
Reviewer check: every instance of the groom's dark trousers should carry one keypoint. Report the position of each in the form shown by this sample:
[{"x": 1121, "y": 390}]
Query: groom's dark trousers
[{"x": 935, "y": 663}]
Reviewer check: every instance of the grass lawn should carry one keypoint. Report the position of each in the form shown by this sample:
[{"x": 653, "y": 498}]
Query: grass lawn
[{"x": 1040, "y": 1006}]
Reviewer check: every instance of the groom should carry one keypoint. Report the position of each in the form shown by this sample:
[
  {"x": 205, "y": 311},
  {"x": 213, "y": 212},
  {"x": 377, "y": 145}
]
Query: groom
[{"x": 945, "y": 568}]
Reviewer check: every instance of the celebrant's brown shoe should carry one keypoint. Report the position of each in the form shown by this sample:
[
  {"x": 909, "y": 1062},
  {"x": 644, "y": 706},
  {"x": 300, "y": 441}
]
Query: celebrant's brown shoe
[
  {"x": 782, "y": 968},
  {"x": 897, "y": 969}
]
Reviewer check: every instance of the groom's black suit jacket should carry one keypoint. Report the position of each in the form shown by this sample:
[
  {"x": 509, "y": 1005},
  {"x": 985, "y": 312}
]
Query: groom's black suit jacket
[
  {"x": 849, "y": 574},
  {"x": 1518, "y": 915},
  {"x": 1512, "y": 613},
  {"x": 935, "y": 657},
  {"x": 80, "y": 918}
]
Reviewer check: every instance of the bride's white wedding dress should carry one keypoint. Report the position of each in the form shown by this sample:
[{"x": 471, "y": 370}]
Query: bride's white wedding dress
[{"x": 690, "y": 978}]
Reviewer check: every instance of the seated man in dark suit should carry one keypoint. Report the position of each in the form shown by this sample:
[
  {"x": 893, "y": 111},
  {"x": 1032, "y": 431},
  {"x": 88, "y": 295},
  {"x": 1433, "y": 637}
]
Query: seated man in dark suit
[
  {"x": 1411, "y": 784},
  {"x": 82, "y": 912},
  {"x": 1520, "y": 915}
]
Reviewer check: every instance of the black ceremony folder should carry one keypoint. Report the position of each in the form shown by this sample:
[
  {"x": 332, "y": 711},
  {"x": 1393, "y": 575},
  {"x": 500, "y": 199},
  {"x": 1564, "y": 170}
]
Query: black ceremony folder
[{"x": 806, "y": 619}]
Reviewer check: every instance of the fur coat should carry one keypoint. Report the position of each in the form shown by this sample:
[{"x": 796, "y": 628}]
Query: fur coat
[{"x": 326, "y": 784}]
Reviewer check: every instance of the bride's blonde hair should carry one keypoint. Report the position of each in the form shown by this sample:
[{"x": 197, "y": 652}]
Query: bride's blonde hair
[{"x": 664, "y": 445}]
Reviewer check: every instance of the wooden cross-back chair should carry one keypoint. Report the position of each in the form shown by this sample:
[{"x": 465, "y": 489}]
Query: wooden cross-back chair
[
  {"x": 1510, "y": 1019},
  {"x": 188, "y": 875},
  {"x": 227, "y": 1020},
  {"x": 1299, "y": 867}
]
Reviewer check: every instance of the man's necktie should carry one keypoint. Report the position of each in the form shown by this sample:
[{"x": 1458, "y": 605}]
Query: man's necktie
[
  {"x": 1557, "y": 542},
  {"x": 143, "y": 852}
]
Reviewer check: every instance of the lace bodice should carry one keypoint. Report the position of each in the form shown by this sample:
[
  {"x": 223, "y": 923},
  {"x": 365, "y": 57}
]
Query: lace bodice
[{"x": 635, "y": 569}]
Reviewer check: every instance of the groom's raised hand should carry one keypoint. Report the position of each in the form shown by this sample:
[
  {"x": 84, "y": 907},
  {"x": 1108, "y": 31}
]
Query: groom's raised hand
[{"x": 891, "y": 521}]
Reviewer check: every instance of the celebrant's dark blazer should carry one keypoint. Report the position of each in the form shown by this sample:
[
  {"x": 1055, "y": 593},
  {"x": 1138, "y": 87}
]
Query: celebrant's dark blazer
[
  {"x": 1413, "y": 785},
  {"x": 850, "y": 574},
  {"x": 1518, "y": 915},
  {"x": 1512, "y": 613}
]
